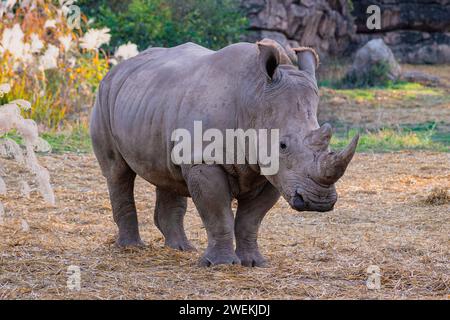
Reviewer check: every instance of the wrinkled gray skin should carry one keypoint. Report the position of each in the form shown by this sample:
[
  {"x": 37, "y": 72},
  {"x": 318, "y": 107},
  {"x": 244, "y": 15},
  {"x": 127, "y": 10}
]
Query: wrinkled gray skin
[{"x": 141, "y": 101}]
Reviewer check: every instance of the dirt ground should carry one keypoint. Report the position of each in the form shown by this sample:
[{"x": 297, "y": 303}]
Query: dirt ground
[{"x": 381, "y": 219}]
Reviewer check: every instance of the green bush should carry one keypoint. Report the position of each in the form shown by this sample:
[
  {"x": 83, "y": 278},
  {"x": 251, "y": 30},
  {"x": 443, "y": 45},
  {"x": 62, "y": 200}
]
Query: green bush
[
  {"x": 376, "y": 76},
  {"x": 211, "y": 23}
]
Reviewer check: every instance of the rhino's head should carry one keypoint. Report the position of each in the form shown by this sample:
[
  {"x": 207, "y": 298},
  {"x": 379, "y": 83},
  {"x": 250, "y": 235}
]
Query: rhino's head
[{"x": 308, "y": 169}]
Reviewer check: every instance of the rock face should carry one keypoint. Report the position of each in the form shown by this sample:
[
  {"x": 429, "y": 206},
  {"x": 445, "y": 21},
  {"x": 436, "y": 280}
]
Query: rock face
[
  {"x": 417, "y": 31},
  {"x": 325, "y": 25},
  {"x": 374, "y": 54},
  {"x": 415, "y": 47},
  {"x": 419, "y": 15}
]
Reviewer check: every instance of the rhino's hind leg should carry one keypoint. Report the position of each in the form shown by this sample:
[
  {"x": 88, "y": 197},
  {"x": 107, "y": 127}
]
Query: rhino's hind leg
[
  {"x": 121, "y": 188},
  {"x": 210, "y": 191},
  {"x": 249, "y": 214},
  {"x": 169, "y": 217},
  {"x": 120, "y": 179}
]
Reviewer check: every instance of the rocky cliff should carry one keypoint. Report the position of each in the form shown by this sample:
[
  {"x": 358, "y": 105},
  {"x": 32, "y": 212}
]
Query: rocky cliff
[
  {"x": 323, "y": 24},
  {"x": 418, "y": 31}
]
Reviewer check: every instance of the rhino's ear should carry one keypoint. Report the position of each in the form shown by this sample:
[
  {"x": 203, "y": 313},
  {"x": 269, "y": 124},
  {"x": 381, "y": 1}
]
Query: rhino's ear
[
  {"x": 287, "y": 55},
  {"x": 269, "y": 58},
  {"x": 308, "y": 60}
]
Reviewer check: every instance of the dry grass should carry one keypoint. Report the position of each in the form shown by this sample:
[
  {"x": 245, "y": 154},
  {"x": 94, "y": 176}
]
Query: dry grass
[
  {"x": 385, "y": 108},
  {"x": 442, "y": 71},
  {"x": 375, "y": 108},
  {"x": 381, "y": 218}
]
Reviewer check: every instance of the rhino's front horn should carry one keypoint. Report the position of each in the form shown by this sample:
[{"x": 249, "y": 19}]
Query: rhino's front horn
[
  {"x": 333, "y": 165},
  {"x": 346, "y": 155},
  {"x": 308, "y": 60}
]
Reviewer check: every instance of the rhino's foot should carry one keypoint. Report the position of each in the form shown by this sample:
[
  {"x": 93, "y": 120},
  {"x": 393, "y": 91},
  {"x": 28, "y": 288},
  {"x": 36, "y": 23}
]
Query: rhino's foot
[
  {"x": 126, "y": 242},
  {"x": 216, "y": 257},
  {"x": 180, "y": 244},
  {"x": 251, "y": 258}
]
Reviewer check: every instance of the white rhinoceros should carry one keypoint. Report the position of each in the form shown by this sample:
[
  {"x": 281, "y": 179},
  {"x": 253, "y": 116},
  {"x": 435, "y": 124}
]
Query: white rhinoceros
[{"x": 243, "y": 86}]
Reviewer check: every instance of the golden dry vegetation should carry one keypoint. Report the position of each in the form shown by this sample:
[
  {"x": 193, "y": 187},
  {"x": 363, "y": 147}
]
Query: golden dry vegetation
[{"x": 382, "y": 218}]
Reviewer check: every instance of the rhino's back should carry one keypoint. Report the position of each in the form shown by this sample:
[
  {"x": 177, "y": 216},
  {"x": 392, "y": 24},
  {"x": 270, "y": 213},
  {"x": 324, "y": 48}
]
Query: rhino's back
[
  {"x": 150, "y": 71},
  {"x": 161, "y": 90}
]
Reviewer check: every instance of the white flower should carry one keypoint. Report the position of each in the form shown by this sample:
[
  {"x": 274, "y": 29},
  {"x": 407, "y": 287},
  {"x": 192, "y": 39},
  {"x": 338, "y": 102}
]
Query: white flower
[
  {"x": 6, "y": 125},
  {"x": 40, "y": 145},
  {"x": 10, "y": 4},
  {"x": 50, "y": 24},
  {"x": 16, "y": 66},
  {"x": 11, "y": 109},
  {"x": 28, "y": 130},
  {"x": 30, "y": 5},
  {"x": 126, "y": 51},
  {"x": 36, "y": 43},
  {"x": 50, "y": 58},
  {"x": 95, "y": 38},
  {"x": 12, "y": 41},
  {"x": 27, "y": 55},
  {"x": 72, "y": 62},
  {"x": 6, "y": 6},
  {"x": 24, "y": 104},
  {"x": 10, "y": 149},
  {"x": 66, "y": 41},
  {"x": 26, "y": 3},
  {"x": 4, "y": 88}
]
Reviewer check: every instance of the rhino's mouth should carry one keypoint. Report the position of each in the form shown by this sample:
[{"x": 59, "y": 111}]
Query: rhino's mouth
[{"x": 313, "y": 197}]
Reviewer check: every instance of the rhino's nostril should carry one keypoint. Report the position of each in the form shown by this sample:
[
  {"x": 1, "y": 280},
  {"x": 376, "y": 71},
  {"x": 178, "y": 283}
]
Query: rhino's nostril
[{"x": 299, "y": 202}]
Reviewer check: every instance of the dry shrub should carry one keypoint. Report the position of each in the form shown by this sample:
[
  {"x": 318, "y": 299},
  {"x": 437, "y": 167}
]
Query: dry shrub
[
  {"x": 11, "y": 119},
  {"x": 438, "y": 196},
  {"x": 49, "y": 62}
]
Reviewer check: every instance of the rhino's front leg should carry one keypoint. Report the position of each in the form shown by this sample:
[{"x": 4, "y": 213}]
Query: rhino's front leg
[
  {"x": 209, "y": 189},
  {"x": 250, "y": 213}
]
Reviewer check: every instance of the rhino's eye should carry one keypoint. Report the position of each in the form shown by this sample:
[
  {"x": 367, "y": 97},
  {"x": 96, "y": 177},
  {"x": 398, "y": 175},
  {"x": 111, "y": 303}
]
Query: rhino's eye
[{"x": 283, "y": 146}]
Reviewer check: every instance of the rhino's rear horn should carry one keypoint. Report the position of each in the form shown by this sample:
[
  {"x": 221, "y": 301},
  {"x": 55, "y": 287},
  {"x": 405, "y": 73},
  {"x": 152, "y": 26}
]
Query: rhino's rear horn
[
  {"x": 319, "y": 139},
  {"x": 308, "y": 60}
]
